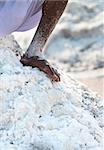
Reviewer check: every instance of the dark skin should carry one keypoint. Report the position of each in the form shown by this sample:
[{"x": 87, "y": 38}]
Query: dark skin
[{"x": 52, "y": 11}]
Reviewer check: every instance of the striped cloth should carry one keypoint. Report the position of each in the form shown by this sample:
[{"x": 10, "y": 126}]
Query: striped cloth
[{"x": 19, "y": 15}]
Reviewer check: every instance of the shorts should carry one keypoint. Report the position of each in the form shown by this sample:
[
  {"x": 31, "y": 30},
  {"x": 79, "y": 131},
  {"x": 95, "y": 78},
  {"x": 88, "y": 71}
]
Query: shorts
[{"x": 19, "y": 15}]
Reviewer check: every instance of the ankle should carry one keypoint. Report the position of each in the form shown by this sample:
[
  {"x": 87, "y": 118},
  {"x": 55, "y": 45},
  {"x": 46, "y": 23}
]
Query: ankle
[{"x": 35, "y": 53}]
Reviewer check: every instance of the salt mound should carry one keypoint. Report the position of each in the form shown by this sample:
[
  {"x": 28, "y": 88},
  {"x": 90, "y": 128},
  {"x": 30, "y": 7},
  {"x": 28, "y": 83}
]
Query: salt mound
[{"x": 39, "y": 115}]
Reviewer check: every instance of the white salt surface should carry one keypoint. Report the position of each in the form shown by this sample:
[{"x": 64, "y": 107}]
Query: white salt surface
[{"x": 38, "y": 115}]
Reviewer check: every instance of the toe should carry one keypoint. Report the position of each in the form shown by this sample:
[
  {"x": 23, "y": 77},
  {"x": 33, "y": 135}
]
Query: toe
[
  {"x": 52, "y": 73},
  {"x": 56, "y": 78}
]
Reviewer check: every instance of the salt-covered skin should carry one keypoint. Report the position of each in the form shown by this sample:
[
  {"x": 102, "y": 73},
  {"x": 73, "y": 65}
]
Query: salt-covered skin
[{"x": 36, "y": 114}]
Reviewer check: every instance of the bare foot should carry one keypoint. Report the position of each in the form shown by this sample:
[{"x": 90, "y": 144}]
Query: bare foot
[{"x": 42, "y": 65}]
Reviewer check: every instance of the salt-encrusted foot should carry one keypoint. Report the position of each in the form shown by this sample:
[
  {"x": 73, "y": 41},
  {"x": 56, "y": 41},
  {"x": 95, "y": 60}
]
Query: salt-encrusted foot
[{"x": 42, "y": 65}]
